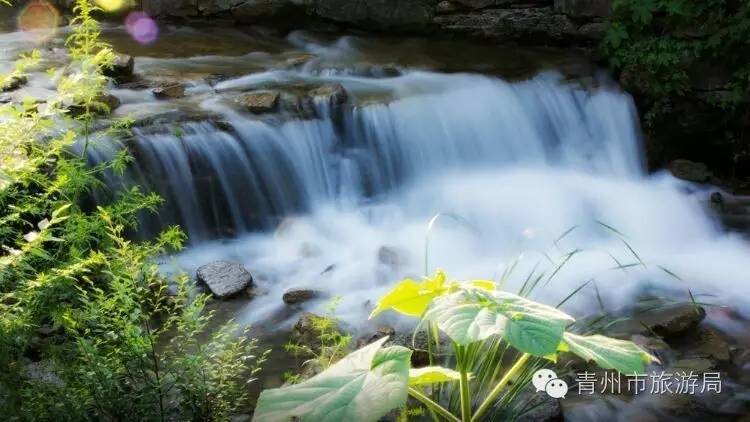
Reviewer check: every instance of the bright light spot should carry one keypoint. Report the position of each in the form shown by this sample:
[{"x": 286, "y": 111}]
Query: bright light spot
[
  {"x": 39, "y": 20},
  {"x": 110, "y": 5},
  {"x": 141, "y": 27}
]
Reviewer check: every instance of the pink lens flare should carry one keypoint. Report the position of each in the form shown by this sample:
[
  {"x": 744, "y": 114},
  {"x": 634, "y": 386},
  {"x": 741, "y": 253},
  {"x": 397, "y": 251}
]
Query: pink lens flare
[{"x": 141, "y": 27}]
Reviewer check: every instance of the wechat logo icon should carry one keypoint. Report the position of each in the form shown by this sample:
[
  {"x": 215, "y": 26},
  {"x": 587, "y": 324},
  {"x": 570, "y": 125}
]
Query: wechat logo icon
[{"x": 546, "y": 380}]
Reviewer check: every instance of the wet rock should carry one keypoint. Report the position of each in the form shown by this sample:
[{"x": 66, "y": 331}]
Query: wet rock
[
  {"x": 293, "y": 297},
  {"x": 44, "y": 372},
  {"x": 304, "y": 330},
  {"x": 109, "y": 100},
  {"x": 224, "y": 279},
  {"x": 13, "y": 83},
  {"x": 175, "y": 90},
  {"x": 446, "y": 6},
  {"x": 667, "y": 320},
  {"x": 690, "y": 171},
  {"x": 539, "y": 25},
  {"x": 652, "y": 344},
  {"x": 391, "y": 257},
  {"x": 380, "y": 14},
  {"x": 260, "y": 101},
  {"x": 703, "y": 342},
  {"x": 104, "y": 104},
  {"x": 335, "y": 94},
  {"x": 298, "y": 60},
  {"x": 543, "y": 408},
  {"x": 122, "y": 69},
  {"x": 674, "y": 320},
  {"x": 420, "y": 350},
  {"x": 697, "y": 365},
  {"x": 584, "y": 8}
]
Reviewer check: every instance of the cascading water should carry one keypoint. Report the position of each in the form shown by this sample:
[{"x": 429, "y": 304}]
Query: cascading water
[{"x": 341, "y": 202}]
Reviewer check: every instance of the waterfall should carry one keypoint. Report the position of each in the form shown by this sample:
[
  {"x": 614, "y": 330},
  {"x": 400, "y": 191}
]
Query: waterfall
[
  {"x": 340, "y": 201},
  {"x": 219, "y": 181}
]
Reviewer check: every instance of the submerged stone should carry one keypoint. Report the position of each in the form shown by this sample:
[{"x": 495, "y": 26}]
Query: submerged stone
[
  {"x": 293, "y": 297},
  {"x": 169, "y": 91}
]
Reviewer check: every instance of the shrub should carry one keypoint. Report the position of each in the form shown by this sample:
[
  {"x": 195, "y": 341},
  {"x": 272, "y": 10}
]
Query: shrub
[{"x": 87, "y": 327}]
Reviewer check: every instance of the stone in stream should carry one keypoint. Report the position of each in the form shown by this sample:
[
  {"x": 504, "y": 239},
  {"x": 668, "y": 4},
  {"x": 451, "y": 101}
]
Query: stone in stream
[
  {"x": 225, "y": 279},
  {"x": 259, "y": 102},
  {"x": 295, "y": 296},
  {"x": 702, "y": 342},
  {"x": 334, "y": 93},
  {"x": 175, "y": 90},
  {"x": 109, "y": 101},
  {"x": 667, "y": 320},
  {"x": 122, "y": 68},
  {"x": 690, "y": 171},
  {"x": 391, "y": 256}
]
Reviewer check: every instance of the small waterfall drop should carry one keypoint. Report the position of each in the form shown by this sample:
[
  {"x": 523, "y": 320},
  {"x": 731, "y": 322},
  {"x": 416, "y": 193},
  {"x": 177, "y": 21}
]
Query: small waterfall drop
[{"x": 339, "y": 200}]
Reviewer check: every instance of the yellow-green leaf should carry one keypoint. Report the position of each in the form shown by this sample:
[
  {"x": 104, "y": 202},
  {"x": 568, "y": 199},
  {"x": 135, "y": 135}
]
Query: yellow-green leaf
[
  {"x": 484, "y": 284},
  {"x": 411, "y": 298},
  {"x": 432, "y": 375}
]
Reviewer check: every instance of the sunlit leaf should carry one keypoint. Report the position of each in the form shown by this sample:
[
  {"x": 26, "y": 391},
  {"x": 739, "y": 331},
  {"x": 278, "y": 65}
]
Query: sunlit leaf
[
  {"x": 432, "y": 375},
  {"x": 363, "y": 386},
  {"x": 412, "y": 298},
  {"x": 471, "y": 315}
]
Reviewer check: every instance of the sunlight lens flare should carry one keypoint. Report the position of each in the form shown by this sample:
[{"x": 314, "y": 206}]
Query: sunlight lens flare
[
  {"x": 141, "y": 27},
  {"x": 38, "y": 20},
  {"x": 111, "y": 5}
]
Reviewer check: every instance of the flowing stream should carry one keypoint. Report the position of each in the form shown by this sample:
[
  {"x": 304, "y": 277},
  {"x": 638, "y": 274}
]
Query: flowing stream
[
  {"x": 521, "y": 175},
  {"x": 512, "y": 163}
]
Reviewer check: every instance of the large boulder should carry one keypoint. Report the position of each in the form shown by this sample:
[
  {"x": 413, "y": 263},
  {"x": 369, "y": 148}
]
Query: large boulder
[{"x": 225, "y": 279}]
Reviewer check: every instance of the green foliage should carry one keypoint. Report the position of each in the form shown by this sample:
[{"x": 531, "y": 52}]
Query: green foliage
[
  {"x": 469, "y": 314},
  {"x": 88, "y": 330},
  {"x": 657, "y": 44},
  {"x": 329, "y": 343}
]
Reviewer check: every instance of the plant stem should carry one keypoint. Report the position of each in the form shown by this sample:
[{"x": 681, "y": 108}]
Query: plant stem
[
  {"x": 464, "y": 383},
  {"x": 500, "y": 385},
  {"x": 432, "y": 405}
]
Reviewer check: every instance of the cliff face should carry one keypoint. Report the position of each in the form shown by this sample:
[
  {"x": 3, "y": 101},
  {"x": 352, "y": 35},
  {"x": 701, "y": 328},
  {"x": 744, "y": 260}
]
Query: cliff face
[{"x": 559, "y": 22}]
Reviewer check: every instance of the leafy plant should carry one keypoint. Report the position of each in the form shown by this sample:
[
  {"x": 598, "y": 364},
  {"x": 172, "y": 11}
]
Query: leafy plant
[
  {"x": 89, "y": 327},
  {"x": 324, "y": 345},
  {"x": 656, "y": 44},
  {"x": 468, "y": 313}
]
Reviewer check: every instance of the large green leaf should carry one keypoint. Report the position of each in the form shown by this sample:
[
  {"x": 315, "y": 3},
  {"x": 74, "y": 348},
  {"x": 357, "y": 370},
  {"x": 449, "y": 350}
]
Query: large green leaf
[
  {"x": 609, "y": 353},
  {"x": 432, "y": 375},
  {"x": 364, "y": 386},
  {"x": 471, "y": 315}
]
